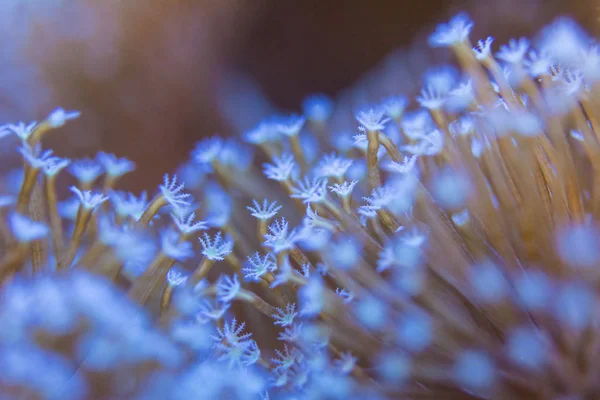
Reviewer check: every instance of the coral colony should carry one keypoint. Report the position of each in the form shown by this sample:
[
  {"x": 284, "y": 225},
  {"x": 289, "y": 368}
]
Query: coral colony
[{"x": 447, "y": 252}]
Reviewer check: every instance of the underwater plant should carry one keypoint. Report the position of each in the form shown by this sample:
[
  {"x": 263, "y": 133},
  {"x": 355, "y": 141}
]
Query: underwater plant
[{"x": 449, "y": 250}]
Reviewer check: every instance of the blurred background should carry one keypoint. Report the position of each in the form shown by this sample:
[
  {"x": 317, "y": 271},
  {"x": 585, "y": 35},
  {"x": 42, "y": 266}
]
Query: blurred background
[{"x": 151, "y": 77}]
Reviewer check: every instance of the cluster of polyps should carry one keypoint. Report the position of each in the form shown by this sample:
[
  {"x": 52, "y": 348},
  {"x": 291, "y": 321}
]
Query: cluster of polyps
[{"x": 447, "y": 252}]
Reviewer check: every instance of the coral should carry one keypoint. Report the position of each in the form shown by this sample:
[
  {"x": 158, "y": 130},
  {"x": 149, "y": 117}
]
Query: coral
[{"x": 448, "y": 250}]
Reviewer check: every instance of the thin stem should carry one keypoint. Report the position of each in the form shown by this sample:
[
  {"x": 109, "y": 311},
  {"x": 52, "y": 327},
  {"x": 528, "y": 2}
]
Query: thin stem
[
  {"x": 144, "y": 285},
  {"x": 38, "y": 133},
  {"x": 235, "y": 263},
  {"x": 81, "y": 222},
  {"x": 567, "y": 198},
  {"x": 297, "y": 279},
  {"x": 345, "y": 332},
  {"x": 269, "y": 150},
  {"x": 108, "y": 185},
  {"x": 13, "y": 261},
  {"x": 166, "y": 299},
  {"x": 298, "y": 152},
  {"x": 370, "y": 279},
  {"x": 29, "y": 181},
  {"x": 589, "y": 111},
  {"x": 372, "y": 160},
  {"x": 534, "y": 224},
  {"x": 377, "y": 229},
  {"x": 260, "y": 304},
  {"x": 56, "y": 229},
  {"x": 564, "y": 164},
  {"x": 262, "y": 230},
  {"x": 591, "y": 148},
  {"x": 293, "y": 278},
  {"x": 39, "y": 248},
  {"x": 532, "y": 90},
  {"x": 346, "y": 205},
  {"x": 152, "y": 276},
  {"x": 299, "y": 256},
  {"x": 250, "y": 182},
  {"x": 201, "y": 271},
  {"x": 508, "y": 95},
  {"x": 390, "y": 147},
  {"x": 287, "y": 184},
  {"x": 105, "y": 262},
  {"x": 238, "y": 239},
  {"x": 91, "y": 256},
  {"x": 387, "y": 220},
  {"x": 155, "y": 205},
  {"x": 398, "y": 121},
  {"x": 223, "y": 174},
  {"x": 87, "y": 185},
  {"x": 333, "y": 209},
  {"x": 351, "y": 225},
  {"x": 6, "y": 237},
  {"x": 110, "y": 181},
  {"x": 481, "y": 84}
]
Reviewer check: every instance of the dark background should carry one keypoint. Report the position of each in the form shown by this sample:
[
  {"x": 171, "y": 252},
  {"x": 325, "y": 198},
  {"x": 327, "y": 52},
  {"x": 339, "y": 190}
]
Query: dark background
[{"x": 149, "y": 76}]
